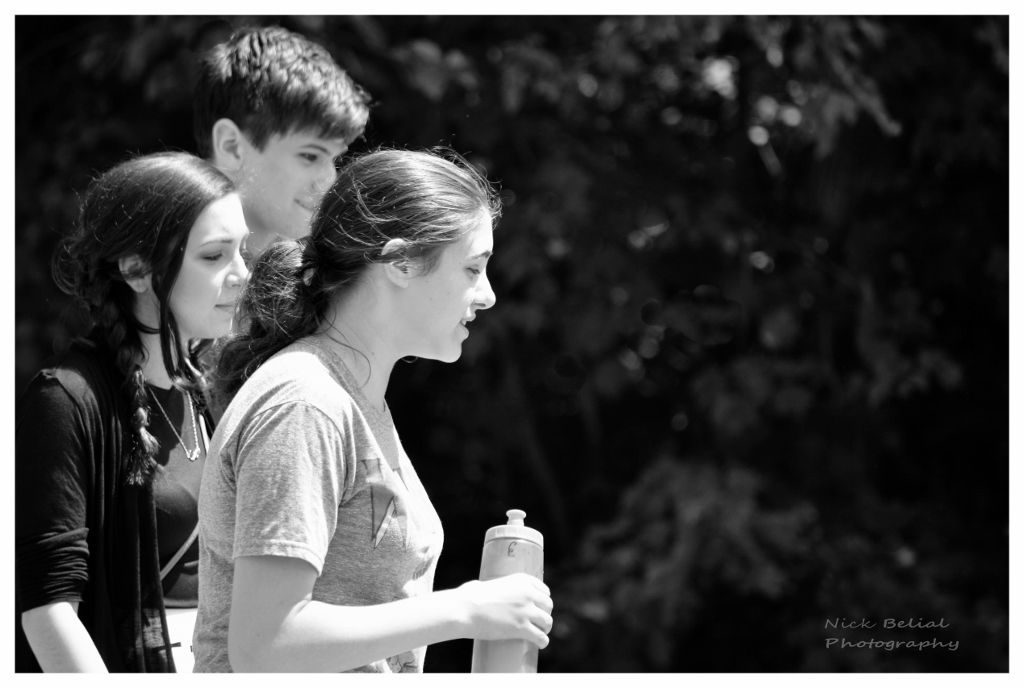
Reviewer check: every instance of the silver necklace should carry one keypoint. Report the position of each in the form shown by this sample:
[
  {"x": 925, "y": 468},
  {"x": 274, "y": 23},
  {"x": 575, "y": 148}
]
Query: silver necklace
[{"x": 194, "y": 453}]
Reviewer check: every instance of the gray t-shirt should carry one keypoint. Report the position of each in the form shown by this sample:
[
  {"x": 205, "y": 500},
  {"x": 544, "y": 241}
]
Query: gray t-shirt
[{"x": 302, "y": 465}]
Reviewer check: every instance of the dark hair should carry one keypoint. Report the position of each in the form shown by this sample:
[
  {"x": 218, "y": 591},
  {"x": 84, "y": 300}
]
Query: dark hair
[
  {"x": 143, "y": 207},
  {"x": 429, "y": 199},
  {"x": 272, "y": 81}
]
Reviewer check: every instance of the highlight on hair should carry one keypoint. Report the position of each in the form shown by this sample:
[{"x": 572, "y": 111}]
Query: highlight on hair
[
  {"x": 143, "y": 207},
  {"x": 272, "y": 81},
  {"x": 430, "y": 199}
]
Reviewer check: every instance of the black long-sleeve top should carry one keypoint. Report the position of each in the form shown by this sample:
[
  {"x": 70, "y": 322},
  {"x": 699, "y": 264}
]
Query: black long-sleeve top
[{"x": 81, "y": 533}]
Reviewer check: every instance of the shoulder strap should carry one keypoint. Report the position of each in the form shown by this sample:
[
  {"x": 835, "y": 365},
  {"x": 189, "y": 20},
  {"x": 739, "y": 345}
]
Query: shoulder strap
[
  {"x": 180, "y": 553},
  {"x": 195, "y": 531}
]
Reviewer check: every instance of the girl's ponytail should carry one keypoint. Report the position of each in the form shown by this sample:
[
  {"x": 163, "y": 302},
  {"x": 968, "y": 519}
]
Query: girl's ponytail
[{"x": 279, "y": 305}]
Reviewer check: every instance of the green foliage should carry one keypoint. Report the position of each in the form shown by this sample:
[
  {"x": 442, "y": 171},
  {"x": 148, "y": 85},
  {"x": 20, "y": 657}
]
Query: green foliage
[{"x": 747, "y": 370}]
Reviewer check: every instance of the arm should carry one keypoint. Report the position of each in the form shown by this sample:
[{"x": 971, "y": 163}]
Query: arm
[
  {"x": 51, "y": 548},
  {"x": 287, "y": 631},
  {"x": 59, "y": 640},
  {"x": 274, "y": 625}
]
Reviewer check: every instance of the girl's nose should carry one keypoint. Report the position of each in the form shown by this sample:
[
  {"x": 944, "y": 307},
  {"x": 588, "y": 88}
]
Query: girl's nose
[
  {"x": 239, "y": 274},
  {"x": 485, "y": 297}
]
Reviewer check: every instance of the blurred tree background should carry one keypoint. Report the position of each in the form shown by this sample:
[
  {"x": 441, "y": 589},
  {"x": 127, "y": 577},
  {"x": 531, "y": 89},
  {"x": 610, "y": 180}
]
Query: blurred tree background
[{"x": 748, "y": 367}]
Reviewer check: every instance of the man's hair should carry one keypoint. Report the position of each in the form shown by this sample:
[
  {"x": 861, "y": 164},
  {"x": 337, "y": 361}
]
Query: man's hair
[{"x": 272, "y": 81}]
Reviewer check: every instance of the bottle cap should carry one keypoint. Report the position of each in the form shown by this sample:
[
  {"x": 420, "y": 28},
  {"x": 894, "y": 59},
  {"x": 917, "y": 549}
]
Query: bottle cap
[{"x": 515, "y": 529}]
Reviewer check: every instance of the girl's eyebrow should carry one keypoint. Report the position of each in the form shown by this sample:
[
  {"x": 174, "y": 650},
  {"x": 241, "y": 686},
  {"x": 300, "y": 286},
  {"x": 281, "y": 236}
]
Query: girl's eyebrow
[
  {"x": 485, "y": 254},
  {"x": 224, "y": 239}
]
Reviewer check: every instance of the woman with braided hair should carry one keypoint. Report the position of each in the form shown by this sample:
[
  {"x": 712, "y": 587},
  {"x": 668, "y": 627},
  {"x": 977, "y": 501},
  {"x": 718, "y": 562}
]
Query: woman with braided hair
[{"x": 111, "y": 435}]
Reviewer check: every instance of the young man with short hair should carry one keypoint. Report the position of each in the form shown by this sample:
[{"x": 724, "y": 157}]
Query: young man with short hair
[{"x": 274, "y": 112}]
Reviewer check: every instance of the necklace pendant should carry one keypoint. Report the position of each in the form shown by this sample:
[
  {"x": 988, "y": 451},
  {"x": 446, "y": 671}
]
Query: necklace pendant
[{"x": 192, "y": 454}]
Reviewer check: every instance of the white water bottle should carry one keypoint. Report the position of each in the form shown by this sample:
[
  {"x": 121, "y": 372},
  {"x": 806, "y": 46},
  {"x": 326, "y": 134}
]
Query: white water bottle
[{"x": 508, "y": 549}]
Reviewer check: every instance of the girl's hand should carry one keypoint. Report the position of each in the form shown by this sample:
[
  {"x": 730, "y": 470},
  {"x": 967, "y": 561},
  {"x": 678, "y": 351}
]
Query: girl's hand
[{"x": 514, "y": 607}]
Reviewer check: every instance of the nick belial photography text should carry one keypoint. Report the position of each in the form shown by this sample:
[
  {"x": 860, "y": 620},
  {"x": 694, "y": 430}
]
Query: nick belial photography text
[{"x": 898, "y": 626}]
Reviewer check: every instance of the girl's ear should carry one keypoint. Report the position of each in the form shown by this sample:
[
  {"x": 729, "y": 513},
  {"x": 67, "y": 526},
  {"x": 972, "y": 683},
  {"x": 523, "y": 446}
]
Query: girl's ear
[
  {"x": 134, "y": 272},
  {"x": 399, "y": 270}
]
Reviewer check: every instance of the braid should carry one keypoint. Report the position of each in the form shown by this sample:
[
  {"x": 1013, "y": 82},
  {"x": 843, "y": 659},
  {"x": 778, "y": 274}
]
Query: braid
[
  {"x": 142, "y": 458},
  {"x": 126, "y": 344}
]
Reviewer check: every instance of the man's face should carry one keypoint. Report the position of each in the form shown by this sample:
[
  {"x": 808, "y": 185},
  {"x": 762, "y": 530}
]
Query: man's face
[{"x": 281, "y": 185}]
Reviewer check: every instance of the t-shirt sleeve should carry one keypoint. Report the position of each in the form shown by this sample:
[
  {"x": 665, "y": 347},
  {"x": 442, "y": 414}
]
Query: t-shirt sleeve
[
  {"x": 51, "y": 479},
  {"x": 290, "y": 476}
]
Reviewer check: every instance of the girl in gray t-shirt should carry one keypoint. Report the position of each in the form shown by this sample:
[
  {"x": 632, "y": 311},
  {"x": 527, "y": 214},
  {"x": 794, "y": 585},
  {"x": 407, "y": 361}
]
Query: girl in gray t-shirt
[{"x": 318, "y": 543}]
